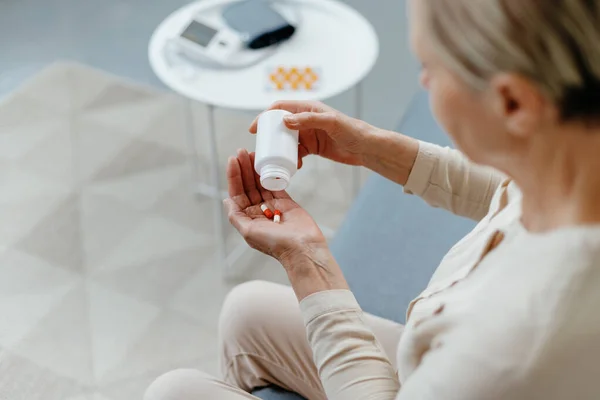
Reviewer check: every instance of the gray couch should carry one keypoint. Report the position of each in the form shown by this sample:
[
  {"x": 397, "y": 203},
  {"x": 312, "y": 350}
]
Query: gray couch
[{"x": 391, "y": 242}]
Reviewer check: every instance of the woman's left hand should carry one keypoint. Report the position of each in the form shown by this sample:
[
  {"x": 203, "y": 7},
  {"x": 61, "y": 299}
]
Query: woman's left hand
[{"x": 296, "y": 232}]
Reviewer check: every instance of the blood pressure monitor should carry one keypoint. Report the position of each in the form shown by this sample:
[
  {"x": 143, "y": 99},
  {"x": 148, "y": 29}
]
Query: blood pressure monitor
[
  {"x": 236, "y": 36},
  {"x": 204, "y": 42}
]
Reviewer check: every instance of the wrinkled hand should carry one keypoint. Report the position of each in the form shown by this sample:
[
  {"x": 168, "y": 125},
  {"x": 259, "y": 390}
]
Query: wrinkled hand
[
  {"x": 296, "y": 231},
  {"x": 323, "y": 131}
]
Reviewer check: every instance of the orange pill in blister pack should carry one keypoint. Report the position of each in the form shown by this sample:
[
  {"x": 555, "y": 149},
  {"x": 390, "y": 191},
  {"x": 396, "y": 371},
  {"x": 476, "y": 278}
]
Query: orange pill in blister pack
[
  {"x": 293, "y": 78},
  {"x": 268, "y": 213}
]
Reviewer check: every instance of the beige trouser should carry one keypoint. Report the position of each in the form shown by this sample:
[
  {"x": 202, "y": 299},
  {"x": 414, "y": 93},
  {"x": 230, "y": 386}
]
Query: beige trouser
[{"x": 262, "y": 342}]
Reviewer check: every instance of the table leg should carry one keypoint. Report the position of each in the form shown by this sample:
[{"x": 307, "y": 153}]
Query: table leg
[
  {"x": 213, "y": 190},
  {"x": 358, "y": 99},
  {"x": 191, "y": 142},
  {"x": 219, "y": 213}
]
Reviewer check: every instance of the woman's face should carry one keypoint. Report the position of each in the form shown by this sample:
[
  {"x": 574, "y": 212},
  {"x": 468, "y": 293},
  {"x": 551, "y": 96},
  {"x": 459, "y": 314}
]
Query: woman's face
[{"x": 466, "y": 115}]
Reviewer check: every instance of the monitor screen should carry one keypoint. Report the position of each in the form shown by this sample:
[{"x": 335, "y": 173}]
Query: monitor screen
[{"x": 199, "y": 33}]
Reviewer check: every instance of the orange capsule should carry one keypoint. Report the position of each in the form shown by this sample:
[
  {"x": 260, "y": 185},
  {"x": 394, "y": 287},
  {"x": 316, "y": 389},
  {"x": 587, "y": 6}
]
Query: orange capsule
[
  {"x": 277, "y": 217},
  {"x": 268, "y": 213}
]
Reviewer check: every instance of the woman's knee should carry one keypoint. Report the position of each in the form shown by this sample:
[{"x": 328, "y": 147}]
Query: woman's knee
[
  {"x": 181, "y": 384},
  {"x": 260, "y": 326},
  {"x": 248, "y": 308},
  {"x": 252, "y": 312}
]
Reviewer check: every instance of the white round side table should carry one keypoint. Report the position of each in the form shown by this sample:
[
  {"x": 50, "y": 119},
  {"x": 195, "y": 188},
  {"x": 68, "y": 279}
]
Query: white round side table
[{"x": 330, "y": 36}]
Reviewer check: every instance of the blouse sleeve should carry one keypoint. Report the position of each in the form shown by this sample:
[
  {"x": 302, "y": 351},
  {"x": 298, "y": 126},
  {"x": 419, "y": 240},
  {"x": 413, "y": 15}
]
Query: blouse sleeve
[{"x": 445, "y": 178}]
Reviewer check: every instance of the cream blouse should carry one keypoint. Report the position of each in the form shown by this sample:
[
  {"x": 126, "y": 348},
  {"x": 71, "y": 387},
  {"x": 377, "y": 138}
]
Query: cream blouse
[{"x": 507, "y": 315}]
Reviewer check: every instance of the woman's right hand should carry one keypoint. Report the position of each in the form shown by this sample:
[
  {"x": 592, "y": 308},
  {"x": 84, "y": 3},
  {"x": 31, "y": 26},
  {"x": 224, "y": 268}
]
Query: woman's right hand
[{"x": 324, "y": 131}]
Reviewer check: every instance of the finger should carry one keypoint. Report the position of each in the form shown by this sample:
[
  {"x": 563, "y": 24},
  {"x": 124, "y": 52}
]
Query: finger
[
  {"x": 254, "y": 125},
  {"x": 297, "y": 106},
  {"x": 282, "y": 195},
  {"x": 293, "y": 106},
  {"x": 235, "y": 183},
  {"x": 265, "y": 194},
  {"x": 237, "y": 217},
  {"x": 302, "y": 152},
  {"x": 327, "y": 121},
  {"x": 247, "y": 167}
]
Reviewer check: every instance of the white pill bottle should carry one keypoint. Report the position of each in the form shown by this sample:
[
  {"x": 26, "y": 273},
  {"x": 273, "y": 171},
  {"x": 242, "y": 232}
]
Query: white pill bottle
[{"x": 276, "y": 151}]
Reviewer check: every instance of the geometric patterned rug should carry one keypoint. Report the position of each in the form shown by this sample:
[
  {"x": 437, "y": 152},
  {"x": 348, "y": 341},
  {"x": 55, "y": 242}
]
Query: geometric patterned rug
[{"x": 108, "y": 275}]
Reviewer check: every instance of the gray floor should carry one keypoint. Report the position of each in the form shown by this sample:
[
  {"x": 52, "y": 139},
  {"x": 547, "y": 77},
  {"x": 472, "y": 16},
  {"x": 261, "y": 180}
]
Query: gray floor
[
  {"x": 113, "y": 34},
  {"x": 108, "y": 274}
]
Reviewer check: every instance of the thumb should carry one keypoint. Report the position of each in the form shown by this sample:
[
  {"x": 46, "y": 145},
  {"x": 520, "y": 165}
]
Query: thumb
[{"x": 327, "y": 121}]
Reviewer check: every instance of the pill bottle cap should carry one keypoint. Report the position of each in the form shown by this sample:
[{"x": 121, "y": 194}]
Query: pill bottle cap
[{"x": 274, "y": 178}]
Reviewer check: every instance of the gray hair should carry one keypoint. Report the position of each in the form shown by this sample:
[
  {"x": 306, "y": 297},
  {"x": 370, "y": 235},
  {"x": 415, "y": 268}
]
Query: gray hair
[{"x": 555, "y": 43}]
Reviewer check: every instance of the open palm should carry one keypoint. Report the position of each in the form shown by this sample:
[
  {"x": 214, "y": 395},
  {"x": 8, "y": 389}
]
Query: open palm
[{"x": 246, "y": 195}]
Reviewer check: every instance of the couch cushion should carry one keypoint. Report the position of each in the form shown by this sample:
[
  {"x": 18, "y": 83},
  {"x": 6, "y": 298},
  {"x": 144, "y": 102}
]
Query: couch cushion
[
  {"x": 391, "y": 242},
  {"x": 274, "y": 393}
]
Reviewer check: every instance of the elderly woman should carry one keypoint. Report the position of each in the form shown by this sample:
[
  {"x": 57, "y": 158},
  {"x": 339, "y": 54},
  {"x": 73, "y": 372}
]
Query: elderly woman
[{"x": 513, "y": 311}]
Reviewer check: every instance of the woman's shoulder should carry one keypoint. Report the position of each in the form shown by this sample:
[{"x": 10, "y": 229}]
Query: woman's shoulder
[
  {"x": 535, "y": 286},
  {"x": 525, "y": 322},
  {"x": 569, "y": 276},
  {"x": 545, "y": 287},
  {"x": 569, "y": 252},
  {"x": 527, "y": 317},
  {"x": 561, "y": 315}
]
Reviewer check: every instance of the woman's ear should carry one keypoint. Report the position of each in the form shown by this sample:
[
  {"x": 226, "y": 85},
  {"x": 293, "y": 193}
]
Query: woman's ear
[{"x": 519, "y": 103}]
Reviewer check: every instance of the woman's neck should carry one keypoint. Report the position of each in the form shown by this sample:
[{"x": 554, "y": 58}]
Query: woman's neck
[{"x": 560, "y": 179}]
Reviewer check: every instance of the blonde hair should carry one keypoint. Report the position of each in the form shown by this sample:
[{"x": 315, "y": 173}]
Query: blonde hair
[{"x": 555, "y": 43}]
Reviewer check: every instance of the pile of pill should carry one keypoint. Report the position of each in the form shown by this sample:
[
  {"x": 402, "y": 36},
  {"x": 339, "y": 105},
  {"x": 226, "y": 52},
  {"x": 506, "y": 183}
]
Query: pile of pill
[{"x": 275, "y": 216}]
